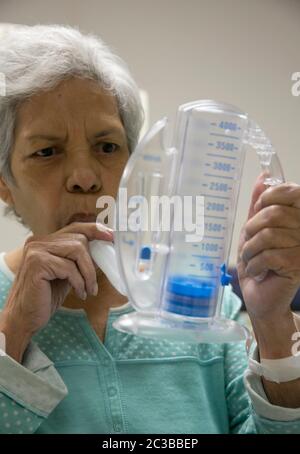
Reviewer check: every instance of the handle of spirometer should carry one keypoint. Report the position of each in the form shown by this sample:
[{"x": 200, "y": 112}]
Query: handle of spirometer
[
  {"x": 276, "y": 175},
  {"x": 104, "y": 254}
]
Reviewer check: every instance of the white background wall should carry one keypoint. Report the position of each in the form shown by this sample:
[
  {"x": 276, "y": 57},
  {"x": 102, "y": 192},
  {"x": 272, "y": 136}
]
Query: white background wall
[{"x": 238, "y": 51}]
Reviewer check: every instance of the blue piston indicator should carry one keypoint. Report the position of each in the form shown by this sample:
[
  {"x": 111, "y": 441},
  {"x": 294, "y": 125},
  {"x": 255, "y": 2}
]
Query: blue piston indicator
[
  {"x": 189, "y": 296},
  {"x": 144, "y": 262}
]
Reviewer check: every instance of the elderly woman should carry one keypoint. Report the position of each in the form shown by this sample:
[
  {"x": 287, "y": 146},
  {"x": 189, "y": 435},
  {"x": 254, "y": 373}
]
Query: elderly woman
[{"x": 69, "y": 120}]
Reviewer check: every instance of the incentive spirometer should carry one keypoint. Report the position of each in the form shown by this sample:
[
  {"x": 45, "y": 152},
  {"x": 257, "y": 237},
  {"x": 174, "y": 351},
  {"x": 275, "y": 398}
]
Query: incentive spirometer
[{"x": 173, "y": 277}]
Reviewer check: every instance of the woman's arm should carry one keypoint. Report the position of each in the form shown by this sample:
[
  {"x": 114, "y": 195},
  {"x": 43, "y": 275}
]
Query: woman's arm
[{"x": 270, "y": 242}]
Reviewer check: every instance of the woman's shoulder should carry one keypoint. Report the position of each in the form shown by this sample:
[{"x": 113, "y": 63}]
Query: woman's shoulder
[
  {"x": 12, "y": 260},
  {"x": 6, "y": 268}
]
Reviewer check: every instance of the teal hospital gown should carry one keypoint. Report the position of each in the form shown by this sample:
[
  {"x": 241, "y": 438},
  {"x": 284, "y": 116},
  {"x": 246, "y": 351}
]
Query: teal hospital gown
[{"x": 71, "y": 382}]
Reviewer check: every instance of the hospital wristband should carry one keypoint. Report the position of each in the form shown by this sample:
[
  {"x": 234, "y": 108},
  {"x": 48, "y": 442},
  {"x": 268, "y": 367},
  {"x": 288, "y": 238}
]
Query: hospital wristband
[
  {"x": 276, "y": 370},
  {"x": 2, "y": 344}
]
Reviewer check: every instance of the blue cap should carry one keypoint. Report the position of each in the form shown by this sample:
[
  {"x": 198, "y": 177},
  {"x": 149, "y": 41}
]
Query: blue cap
[
  {"x": 190, "y": 286},
  {"x": 225, "y": 277},
  {"x": 145, "y": 253}
]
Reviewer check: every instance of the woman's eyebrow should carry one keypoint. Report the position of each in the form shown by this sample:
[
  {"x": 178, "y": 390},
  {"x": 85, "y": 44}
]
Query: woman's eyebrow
[
  {"x": 43, "y": 136},
  {"x": 106, "y": 132},
  {"x": 99, "y": 134}
]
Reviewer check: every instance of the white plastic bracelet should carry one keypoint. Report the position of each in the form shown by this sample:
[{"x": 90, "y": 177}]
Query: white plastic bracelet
[
  {"x": 276, "y": 370},
  {"x": 2, "y": 344}
]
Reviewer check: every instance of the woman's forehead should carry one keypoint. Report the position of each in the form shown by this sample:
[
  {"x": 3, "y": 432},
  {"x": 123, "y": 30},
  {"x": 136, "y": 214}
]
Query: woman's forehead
[{"x": 73, "y": 99}]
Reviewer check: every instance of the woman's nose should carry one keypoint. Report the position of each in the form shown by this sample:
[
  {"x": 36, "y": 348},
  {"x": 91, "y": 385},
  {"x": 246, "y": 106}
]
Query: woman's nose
[{"x": 83, "y": 180}]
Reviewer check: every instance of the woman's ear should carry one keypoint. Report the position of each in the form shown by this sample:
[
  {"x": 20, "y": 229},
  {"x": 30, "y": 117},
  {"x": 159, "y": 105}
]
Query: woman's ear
[{"x": 5, "y": 193}]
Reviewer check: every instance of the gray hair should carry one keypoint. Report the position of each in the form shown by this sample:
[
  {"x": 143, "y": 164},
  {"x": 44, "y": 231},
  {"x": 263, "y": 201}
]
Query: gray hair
[{"x": 36, "y": 58}]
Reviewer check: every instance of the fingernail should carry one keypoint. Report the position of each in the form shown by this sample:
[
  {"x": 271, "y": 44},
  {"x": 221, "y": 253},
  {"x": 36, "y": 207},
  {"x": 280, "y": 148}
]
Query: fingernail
[
  {"x": 95, "y": 289},
  {"x": 106, "y": 233},
  {"x": 108, "y": 236},
  {"x": 260, "y": 277},
  {"x": 103, "y": 227},
  {"x": 83, "y": 295}
]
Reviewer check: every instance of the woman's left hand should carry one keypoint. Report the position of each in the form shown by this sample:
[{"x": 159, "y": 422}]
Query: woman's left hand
[{"x": 270, "y": 243}]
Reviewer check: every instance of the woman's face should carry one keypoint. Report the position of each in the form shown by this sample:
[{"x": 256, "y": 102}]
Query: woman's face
[{"x": 70, "y": 148}]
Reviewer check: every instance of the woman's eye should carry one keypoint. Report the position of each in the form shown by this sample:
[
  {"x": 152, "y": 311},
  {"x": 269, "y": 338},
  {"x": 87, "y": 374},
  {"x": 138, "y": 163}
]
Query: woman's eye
[
  {"x": 108, "y": 147},
  {"x": 45, "y": 152}
]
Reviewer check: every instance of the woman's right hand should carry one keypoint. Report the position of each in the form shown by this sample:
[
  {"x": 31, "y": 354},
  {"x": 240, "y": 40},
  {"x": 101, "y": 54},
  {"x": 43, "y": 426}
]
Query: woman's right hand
[{"x": 51, "y": 265}]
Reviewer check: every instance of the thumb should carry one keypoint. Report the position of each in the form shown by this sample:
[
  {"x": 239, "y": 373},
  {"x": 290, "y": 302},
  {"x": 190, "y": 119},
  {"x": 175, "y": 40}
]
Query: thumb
[{"x": 259, "y": 188}]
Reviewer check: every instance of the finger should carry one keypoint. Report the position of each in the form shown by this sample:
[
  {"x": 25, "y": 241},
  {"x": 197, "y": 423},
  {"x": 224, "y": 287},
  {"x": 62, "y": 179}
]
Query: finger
[
  {"x": 259, "y": 188},
  {"x": 283, "y": 194},
  {"x": 76, "y": 249},
  {"x": 92, "y": 230},
  {"x": 274, "y": 216},
  {"x": 64, "y": 269},
  {"x": 269, "y": 238},
  {"x": 68, "y": 242},
  {"x": 284, "y": 262}
]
